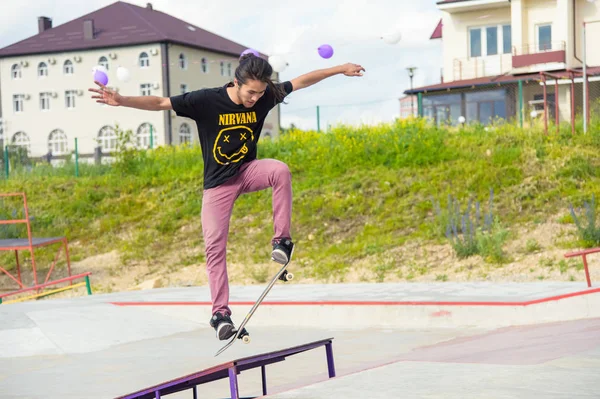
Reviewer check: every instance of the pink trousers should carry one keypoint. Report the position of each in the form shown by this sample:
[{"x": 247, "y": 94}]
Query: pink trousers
[{"x": 217, "y": 204}]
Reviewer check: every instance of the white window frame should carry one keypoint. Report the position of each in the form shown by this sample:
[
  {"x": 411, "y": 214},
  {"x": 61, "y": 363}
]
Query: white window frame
[
  {"x": 222, "y": 68},
  {"x": 142, "y": 135},
  {"x": 15, "y": 71},
  {"x": 45, "y": 101},
  {"x": 21, "y": 139},
  {"x": 42, "y": 70},
  {"x": 107, "y": 138},
  {"x": 146, "y": 89},
  {"x": 229, "y": 69},
  {"x": 144, "y": 60},
  {"x": 68, "y": 68},
  {"x": 185, "y": 133},
  {"x": 204, "y": 65},
  {"x": 103, "y": 61},
  {"x": 18, "y": 100},
  {"x": 70, "y": 98},
  {"x": 483, "y": 30},
  {"x": 183, "y": 63},
  {"x": 183, "y": 88},
  {"x": 58, "y": 143},
  {"x": 537, "y": 36}
]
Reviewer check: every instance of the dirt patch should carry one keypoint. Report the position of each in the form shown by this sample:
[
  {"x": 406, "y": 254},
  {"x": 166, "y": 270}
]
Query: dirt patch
[{"x": 536, "y": 253}]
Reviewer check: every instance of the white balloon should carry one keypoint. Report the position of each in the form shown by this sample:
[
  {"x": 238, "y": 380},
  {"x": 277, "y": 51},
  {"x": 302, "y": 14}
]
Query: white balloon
[
  {"x": 392, "y": 37},
  {"x": 123, "y": 74},
  {"x": 461, "y": 119},
  {"x": 278, "y": 63}
]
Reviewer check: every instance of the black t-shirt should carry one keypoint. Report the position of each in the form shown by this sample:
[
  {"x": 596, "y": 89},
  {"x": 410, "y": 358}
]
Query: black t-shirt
[{"x": 228, "y": 132}]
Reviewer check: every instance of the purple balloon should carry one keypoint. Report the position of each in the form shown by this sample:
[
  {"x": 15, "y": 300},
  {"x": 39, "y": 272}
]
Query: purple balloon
[
  {"x": 326, "y": 51},
  {"x": 101, "y": 77},
  {"x": 248, "y": 51}
]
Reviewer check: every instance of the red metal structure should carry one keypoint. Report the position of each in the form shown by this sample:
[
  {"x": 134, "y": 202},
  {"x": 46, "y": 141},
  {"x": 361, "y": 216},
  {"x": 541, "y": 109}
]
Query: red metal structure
[
  {"x": 584, "y": 255},
  {"x": 29, "y": 244},
  {"x": 570, "y": 74}
]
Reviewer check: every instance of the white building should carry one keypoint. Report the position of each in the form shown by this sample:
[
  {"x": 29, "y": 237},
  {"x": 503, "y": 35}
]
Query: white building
[
  {"x": 44, "y": 99},
  {"x": 498, "y": 51}
]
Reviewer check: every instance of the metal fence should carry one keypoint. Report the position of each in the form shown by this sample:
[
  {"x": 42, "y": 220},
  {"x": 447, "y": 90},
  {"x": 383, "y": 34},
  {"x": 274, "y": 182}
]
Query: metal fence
[{"x": 552, "y": 101}]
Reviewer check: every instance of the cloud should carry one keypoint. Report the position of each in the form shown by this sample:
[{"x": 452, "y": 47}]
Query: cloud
[{"x": 353, "y": 28}]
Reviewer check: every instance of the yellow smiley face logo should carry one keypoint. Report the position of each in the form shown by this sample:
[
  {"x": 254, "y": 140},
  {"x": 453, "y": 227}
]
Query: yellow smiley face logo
[{"x": 231, "y": 144}]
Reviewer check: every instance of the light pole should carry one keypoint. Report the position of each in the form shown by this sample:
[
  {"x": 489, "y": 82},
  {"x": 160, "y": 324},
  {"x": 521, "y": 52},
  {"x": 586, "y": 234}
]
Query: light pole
[{"x": 411, "y": 74}]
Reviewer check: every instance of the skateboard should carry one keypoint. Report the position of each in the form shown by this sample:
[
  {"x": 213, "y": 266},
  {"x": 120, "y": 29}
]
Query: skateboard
[{"x": 240, "y": 332}]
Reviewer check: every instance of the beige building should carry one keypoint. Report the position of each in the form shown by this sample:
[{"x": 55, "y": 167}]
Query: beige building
[
  {"x": 497, "y": 53},
  {"x": 408, "y": 107},
  {"x": 44, "y": 100}
]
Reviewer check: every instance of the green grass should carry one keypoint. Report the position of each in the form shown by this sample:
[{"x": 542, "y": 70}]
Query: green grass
[{"x": 359, "y": 192}]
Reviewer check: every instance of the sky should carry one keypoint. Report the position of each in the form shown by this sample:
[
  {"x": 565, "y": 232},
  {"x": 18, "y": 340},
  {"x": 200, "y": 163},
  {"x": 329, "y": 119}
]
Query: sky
[{"x": 279, "y": 27}]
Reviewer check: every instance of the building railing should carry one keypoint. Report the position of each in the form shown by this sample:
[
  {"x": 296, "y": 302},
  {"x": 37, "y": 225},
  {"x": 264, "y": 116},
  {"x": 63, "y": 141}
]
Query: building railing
[
  {"x": 536, "y": 48},
  {"x": 479, "y": 67}
]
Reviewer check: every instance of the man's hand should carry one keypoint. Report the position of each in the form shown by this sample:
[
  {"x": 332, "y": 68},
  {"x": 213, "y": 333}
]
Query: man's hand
[
  {"x": 106, "y": 95},
  {"x": 352, "y": 69}
]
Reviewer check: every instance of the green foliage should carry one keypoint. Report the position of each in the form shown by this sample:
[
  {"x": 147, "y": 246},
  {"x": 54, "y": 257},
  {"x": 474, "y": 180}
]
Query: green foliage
[
  {"x": 587, "y": 227},
  {"x": 358, "y": 192}
]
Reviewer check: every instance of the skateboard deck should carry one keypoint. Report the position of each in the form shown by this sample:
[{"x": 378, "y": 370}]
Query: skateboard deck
[{"x": 241, "y": 332}]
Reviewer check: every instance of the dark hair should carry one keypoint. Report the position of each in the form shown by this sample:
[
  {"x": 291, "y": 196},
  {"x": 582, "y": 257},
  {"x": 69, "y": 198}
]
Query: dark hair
[{"x": 256, "y": 68}]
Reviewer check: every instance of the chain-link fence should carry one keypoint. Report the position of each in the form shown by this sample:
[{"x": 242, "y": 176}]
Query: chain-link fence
[{"x": 552, "y": 101}]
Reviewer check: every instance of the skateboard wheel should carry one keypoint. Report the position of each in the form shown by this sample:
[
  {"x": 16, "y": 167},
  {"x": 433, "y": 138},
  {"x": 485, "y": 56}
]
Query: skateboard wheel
[
  {"x": 289, "y": 277},
  {"x": 246, "y": 339}
]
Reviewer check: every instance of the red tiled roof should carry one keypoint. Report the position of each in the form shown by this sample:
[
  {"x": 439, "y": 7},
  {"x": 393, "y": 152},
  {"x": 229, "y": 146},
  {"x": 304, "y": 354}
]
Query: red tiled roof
[
  {"x": 494, "y": 80},
  {"x": 122, "y": 24},
  {"x": 437, "y": 33}
]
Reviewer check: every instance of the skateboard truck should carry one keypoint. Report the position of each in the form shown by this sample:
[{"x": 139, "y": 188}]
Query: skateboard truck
[{"x": 286, "y": 276}]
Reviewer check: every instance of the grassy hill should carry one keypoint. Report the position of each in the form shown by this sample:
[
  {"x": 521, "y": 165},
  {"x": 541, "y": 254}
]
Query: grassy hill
[{"x": 370, "y": 204}]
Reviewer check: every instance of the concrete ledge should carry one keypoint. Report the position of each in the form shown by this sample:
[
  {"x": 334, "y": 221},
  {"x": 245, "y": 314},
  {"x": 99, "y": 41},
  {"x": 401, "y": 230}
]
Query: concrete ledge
[{"x": 396, "y": 314}]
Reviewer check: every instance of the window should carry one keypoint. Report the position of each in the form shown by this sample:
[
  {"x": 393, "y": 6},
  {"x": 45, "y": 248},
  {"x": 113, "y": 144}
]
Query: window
[
  {"x": 70, "y": 98},
  {"x": 475, "y": 42},
  {"x": 486, "y": 106},
  {"x": 143, "y": 135},
  {"x": 182, "y": 61},
  {"x": 103, "y": 61},
  {"x": 57, "y": 143},
  {"x": 222, "y": 68},
  {"x": 21, "y": 139},
  {"x": 68, "y": 67},
  {"x": 491, "y": 35},
  {"x": 18, "y": 102},
  {"x": 144, "y": 60},
  {"x": 107, "y": 138},
  {"x": 487, "y": 41},
  {"x": 42, "y": 69},
  {"x": 204, "y": 64},
  {"x": 146, "y": 89},
  {"x": 45, "y": 101},
  {"x": 544, "y": 33},
  {"x": 183, "y": 88},
  {"x": 15, "y": 71},
  {"x": 506, "y": 39},
  {"x": 185, "y": 133},
  {"x": 229, "y": 69}
]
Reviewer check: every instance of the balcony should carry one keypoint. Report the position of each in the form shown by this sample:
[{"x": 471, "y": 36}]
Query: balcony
[
  {"x": 457, "y": 6},
  {"x": 531, "y": 56},
  {"x": 479, "y": 67}
]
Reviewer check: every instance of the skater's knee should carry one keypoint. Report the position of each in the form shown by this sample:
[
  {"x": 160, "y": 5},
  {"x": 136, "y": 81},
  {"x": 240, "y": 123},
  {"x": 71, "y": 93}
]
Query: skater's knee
[{"x": 281, "y": 171}]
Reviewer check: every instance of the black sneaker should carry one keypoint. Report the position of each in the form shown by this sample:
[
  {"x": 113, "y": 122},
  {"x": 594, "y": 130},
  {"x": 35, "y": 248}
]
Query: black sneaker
[
  {"x": 282, "y": 251},
  {"x": 223, "y": 326}
]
